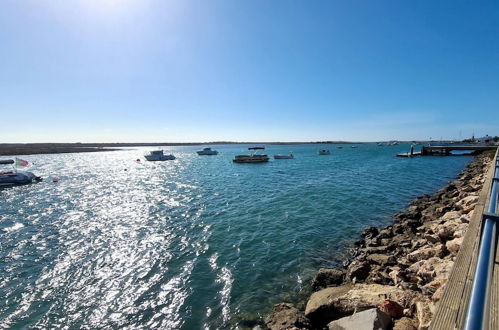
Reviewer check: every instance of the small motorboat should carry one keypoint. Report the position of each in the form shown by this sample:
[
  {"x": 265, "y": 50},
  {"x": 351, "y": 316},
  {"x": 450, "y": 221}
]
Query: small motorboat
[
  {"x": 256, "y": 148},
  {"x": 353, "y": 147},
  {"x": 158, "y": 156},
  {"x": 339, "y": 147},
  {"x": 207, "y": 152},
  {"x": 13, "y": 177},
  {"x": 324, "y": 152},
  {"x": 278, "y": 156}
]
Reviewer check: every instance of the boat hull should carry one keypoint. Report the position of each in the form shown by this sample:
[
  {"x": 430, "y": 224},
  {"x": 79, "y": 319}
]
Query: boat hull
[
  {"x": 207, "y": 153},
  {"x": 159, "y": 159},
  {"x": 251, "y": 159},
  {"x": 18, "y": 178}
]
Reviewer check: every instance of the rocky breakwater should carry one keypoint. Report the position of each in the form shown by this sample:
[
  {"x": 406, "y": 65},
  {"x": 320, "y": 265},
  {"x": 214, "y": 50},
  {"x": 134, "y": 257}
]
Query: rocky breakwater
[{"x": 396, "y": 275}]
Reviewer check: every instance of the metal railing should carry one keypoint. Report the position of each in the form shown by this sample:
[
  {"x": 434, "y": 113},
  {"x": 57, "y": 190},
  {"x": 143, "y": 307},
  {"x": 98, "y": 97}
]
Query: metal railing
[{"x": 478, "y": 309}]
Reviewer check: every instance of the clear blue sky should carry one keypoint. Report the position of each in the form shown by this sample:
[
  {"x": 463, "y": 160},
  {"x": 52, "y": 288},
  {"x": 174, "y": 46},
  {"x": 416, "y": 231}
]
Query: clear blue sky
[{"x": 140, "y": 70}]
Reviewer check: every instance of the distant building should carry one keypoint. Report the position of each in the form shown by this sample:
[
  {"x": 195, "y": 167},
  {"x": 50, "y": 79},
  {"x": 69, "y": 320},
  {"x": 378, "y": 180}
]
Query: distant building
[{"x": 485, "y": 139}]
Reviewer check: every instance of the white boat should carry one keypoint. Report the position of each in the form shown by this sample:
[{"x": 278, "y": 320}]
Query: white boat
[
  {"x": 12, "y": 176},
  {"x": 207, "y": 152},
  {"x": 324, "y": 152},
  {"x": 354, "y": 147},
  {"x": 158, "y": 156},
  {"x": 278, "y": 156}
]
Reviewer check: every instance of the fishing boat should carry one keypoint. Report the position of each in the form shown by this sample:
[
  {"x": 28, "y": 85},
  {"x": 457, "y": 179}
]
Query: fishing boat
[
  {"x": 158, "y": 156},
  {"x": 207, "y": 152},
  {"x": 324, "y": 152},
  {"x": 13, "y": 177},
  {"x": 278, "y": 156},
  {"x": 253, "y": 158}
]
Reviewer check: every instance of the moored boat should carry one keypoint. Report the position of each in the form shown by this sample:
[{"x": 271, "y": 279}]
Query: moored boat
[
  {"x": 324, "y": 152},
  {"x": 158, "y": 155},
  {"x": 251, "y": 159},
  {"x": 13, "y": 177},
  {"x": 207, "y": 152}
]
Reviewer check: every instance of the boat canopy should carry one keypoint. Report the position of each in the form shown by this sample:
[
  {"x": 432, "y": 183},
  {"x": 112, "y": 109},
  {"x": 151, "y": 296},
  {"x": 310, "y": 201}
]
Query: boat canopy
[{"x": 7, "y": 162}]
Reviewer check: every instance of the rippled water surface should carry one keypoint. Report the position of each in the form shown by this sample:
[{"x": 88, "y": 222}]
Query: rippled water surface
[{"x": 194, "y": 243}]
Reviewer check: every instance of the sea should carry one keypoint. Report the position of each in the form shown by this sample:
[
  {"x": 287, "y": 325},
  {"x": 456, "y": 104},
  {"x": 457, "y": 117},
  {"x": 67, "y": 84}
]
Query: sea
[{"x": 199, "y": 242}]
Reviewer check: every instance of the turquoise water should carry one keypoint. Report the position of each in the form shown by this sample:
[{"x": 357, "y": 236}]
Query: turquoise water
[{"x": 194, "y": 243}]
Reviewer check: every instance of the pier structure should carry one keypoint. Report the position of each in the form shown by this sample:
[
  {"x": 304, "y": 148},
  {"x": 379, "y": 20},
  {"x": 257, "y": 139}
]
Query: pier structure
[
  {"x": 447, "y": 150},
  {"x": 471, "y": 296}
]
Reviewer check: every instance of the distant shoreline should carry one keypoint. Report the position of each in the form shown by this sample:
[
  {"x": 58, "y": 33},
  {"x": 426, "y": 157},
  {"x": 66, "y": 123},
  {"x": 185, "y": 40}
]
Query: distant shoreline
[{"x": 7, "y": 149}]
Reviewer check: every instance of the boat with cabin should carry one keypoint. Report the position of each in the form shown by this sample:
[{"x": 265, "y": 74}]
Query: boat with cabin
[
  {"x": 324, "y": 152},
  {"x": 12, "y": 177},
  {"x": 207, "y": 152},
  {"x": 158, "y": 156}
]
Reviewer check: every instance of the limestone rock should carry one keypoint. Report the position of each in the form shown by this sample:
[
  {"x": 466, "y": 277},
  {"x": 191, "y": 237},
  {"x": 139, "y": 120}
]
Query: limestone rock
[
  {"x": 367, "y": 320},
  {"x": 392, "y": 308},
  {"x": 358, "y": 270},
  {"x": 322, "y": 306},
  {"x": 454, "y": 245},
  {"x": 435, "y": 268},
  {"x": 381, "y": 259},
  {"x": 450, "y": 215},
  {"x": 285, "y": 316},
  {"x": 465, "y": 218},
  {"x": 426, "y": 253},
  {"x": 327, "y": 277},
  {"x": 468, "y": 203},
  {"x": 335, "y": 302},
  {"x": 405, "y": 323},
  {"x": 424, "y": 313},
  {"x": 446, "y": 230}
]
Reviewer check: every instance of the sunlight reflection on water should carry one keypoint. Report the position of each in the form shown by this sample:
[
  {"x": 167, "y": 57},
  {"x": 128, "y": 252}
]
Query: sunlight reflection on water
[{"x": 190, "y": 243}]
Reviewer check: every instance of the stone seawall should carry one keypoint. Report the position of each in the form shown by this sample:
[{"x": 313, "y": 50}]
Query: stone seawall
[{"x": 399, "y": 272}]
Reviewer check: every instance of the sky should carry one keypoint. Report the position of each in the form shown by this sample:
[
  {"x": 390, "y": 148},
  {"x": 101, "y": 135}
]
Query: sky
[{"x": 247, "y": 70}]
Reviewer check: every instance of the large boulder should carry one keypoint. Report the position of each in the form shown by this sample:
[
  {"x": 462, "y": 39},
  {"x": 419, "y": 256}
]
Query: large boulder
[
  {"x": 336, "y": 302},
  {"x": 323, "y": 306},
  {"x": 392, "y": 308},
  {"x": 367, "y": 320},
  {"x": 454, "y": 245},
  {"x": 451, "y": 215},
  {"x": 424, "y": 313},
  {"x": 405, "y": 323},
  {"x": 446, "y": 231},
  {"x": 285, "y": 316},
  {"x": 435, "y": 268},
  {"x": 467, "y": 203},
  {"x": 381, "y": 259},
  {"x": 426, "y": 253},
  {"x": 327, "y": 277},
  {"x": 358, "y": 271}
]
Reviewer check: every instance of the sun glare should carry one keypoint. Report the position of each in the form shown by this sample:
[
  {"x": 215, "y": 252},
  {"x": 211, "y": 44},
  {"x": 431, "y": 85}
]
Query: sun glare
[{"x": 111, "y": 8}]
